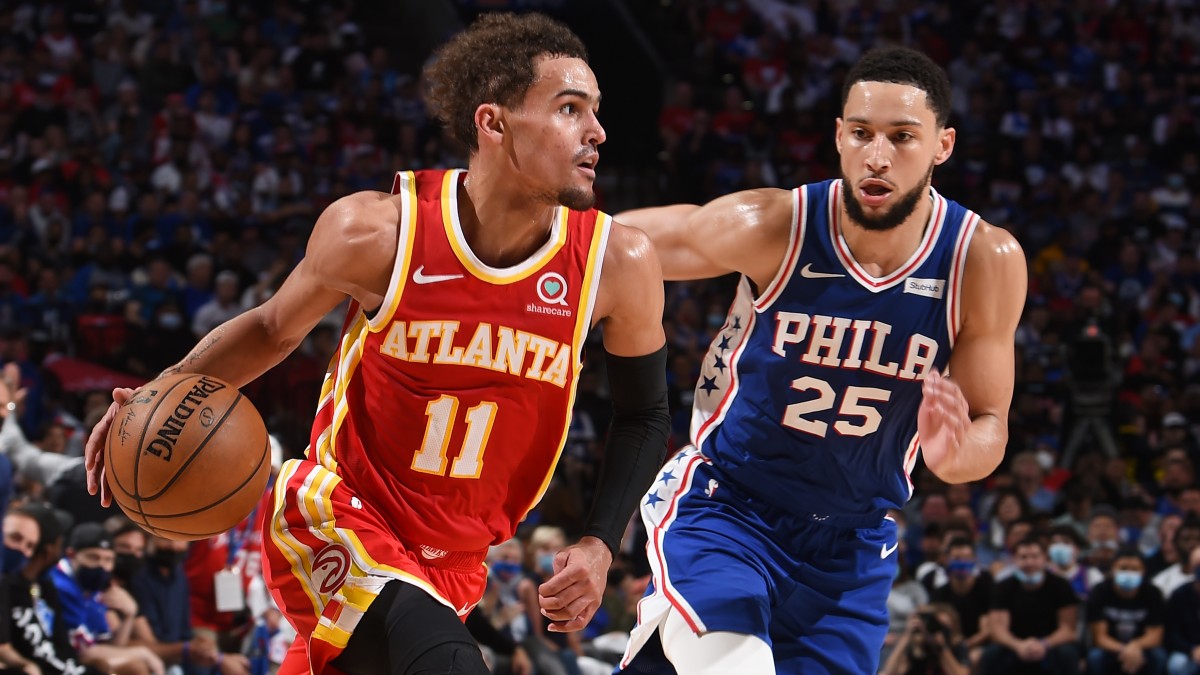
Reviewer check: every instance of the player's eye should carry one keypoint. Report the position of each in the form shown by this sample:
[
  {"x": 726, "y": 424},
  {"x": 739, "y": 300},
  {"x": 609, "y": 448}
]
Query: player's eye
[
  {"x": 861, "y": 133},
  {"x": 904, "y": 137},
  {"x": 569, "y": 108}
]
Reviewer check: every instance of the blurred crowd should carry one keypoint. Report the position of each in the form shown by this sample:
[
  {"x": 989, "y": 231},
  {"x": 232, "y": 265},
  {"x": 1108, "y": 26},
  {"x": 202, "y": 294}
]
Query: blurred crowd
[{"x": 162, "y": 161}]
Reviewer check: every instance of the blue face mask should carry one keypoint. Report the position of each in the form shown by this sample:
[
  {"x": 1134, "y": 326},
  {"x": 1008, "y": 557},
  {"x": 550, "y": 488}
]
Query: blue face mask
[
  {"x": 1062, "y": 554},
  {"x": 12, "y": 561},
  {"x": 505, "y": 570},
  {"x": 960, "y": 568},
  {"x": 545, "y": 563},
  {"x": 92, "y": 579},
  {"x": 1034, "y": 579},
  {"x": 1127, "y": 580}
]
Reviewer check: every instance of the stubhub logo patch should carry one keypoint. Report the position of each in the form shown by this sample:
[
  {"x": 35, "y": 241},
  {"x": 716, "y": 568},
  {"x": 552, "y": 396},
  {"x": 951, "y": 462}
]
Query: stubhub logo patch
[{"x": 930, "y": 288}]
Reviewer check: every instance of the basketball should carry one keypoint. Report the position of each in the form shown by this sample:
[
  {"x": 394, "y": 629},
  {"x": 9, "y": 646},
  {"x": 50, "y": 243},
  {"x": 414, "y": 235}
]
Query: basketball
[{"x": 187, "y": 457}]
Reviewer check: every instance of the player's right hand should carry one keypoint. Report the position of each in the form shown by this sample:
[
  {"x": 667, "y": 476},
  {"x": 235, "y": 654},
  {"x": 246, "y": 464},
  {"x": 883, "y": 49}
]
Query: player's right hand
[{"x": 93, "y": 451}]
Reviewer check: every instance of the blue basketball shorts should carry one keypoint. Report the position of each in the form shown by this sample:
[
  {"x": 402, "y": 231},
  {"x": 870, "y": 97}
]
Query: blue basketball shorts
[{"x": 815, "y": 592}]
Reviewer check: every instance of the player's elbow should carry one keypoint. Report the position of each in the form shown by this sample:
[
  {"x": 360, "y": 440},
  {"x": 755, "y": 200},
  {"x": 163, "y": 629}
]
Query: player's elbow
[{"x": 274, "y": 332}]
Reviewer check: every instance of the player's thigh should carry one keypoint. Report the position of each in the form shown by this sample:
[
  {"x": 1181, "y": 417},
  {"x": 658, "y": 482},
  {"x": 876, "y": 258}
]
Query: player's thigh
[
  {"x": 405, "y": 630},
  {"x": 713, "y": 653},
  {"x": 832, "y": 615}
]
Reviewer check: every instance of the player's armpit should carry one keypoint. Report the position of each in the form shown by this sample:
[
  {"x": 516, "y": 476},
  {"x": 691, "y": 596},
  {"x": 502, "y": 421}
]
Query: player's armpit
[{"x": 744, "y": 232}]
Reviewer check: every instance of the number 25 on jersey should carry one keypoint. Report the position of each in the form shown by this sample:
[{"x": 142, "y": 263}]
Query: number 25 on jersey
[
  {"x": 852, "y": 406},
  {"x": 441, "y": 414}
]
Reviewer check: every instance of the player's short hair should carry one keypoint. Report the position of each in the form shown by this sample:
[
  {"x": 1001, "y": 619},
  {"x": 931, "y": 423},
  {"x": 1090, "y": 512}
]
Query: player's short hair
[
  {"x": 492, "y": 61},
  {"x": 902, "y": 65}
]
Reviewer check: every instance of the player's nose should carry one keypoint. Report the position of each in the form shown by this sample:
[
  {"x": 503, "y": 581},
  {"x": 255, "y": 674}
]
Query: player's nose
[
  {"x": 879, "y": 157},
  {"x": 596, "y": 134}
]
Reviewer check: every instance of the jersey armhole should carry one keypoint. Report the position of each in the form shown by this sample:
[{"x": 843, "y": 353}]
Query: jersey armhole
[
  {"x": 405, "y": 185},
  {"x": 958, "y": 268},
  {"x": 795, "y": 243}
]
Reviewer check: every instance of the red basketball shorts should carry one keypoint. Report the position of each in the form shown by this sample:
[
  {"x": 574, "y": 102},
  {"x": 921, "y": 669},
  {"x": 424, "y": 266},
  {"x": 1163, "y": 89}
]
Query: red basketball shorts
[{"x": 327, "y": 555}]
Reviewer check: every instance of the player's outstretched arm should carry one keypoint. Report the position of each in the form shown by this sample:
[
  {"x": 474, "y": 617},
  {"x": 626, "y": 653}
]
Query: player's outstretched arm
[
  {"x": 351, "y": 252},
  {"x": 630, "y": 305},
  {"x": 963, "y": 419},
  {"x": 744, "y": 232}
]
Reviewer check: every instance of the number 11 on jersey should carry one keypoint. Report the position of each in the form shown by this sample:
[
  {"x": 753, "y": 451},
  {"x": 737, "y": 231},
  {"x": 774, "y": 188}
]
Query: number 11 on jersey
[{"x": 441, "y": 414}]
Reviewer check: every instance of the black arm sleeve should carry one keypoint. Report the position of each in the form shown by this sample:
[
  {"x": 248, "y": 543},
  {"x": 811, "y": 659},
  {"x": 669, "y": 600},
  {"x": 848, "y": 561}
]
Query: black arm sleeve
[{"x": 637, "y": 442}]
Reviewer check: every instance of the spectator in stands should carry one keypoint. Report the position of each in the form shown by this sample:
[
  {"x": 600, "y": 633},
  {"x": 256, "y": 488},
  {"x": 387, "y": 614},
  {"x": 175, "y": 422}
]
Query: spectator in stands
[
  {"x": 1064, "y": 555},
  {"x": 1187, "y": 539},
  {"x": 99, "y": 615},
  {"x": 1103, "y": 537},
  {"x": 969, "y": 592},
  {"x": 1033, "y": 620},
  {"x": 931, "y": 644},
  {"x": 1183, "y": 625},
  {"x": 165, "y": 625},
  {"x": 1125, "y": 617}
]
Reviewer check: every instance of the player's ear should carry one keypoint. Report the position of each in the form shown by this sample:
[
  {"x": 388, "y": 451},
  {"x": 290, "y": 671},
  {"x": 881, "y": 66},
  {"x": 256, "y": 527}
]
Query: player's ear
[
  {"x": 837, "y": 135},
  {"x": 489, "y": 124},
  {"x": 946, "y": 145}
]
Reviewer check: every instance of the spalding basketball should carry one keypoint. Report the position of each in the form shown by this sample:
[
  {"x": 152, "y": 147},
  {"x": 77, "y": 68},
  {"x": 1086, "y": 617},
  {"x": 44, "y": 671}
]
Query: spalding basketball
[{"x": 187, "y": 457}]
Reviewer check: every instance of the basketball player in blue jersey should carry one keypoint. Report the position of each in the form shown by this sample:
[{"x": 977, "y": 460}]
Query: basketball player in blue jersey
[{"x": 874, "y": 320}]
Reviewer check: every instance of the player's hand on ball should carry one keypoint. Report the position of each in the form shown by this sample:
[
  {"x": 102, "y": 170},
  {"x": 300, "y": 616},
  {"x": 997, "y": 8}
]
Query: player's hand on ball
[
  {"x": 572, "y": 595},
  {"x": 93, "y": 451},
  {"x": 942, "y": 420}
]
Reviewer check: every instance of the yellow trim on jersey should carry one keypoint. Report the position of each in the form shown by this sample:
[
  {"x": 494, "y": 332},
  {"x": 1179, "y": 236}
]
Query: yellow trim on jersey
[
  {"x": 583, "y": 315},
  {"x": 404, "y": 246},
  {"x": 454, "y": 235},
  {"x": 351, "y": 352},
  {"x": 291, "y": 548}
]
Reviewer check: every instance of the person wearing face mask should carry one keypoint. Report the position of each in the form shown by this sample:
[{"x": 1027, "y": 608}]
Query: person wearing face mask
[
  {"x": 1103, "y": 535},
  {"x": 32, "y": 606},
  {"x": 1063, "y": 553},
  {"x": 1183, "y": 625},
  {"x": 1187, "y": 539},
  {"x": 969, "y": 591},
  {"x": 129, "y": 545},
  {"x": 1125, "y": 616},
  {"x": 553, "y": 653},
  {"x": 1033, "y": 619},
  {"x": 98, "y": 614},
  {"x": 21, "y": 534},
  {"x": 164, "y": 625}
]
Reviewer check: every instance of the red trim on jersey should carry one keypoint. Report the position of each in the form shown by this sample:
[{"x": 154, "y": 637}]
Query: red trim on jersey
[
  {"x": 799, "y": 227},
  {"x": 847, "y": 257},
  {"x": 660, "y": 557},
  {"x": 956, "y": 273},
  {"x": 718, "y": 412}
]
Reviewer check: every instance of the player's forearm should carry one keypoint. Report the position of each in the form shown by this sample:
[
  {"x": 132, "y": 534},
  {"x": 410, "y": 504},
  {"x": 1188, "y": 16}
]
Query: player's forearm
[
  {"x": 237, "y": 351},
  {"x": 978, "y": 453}
]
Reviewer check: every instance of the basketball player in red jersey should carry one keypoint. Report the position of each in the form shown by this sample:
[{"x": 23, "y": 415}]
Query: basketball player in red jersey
[{"x": 447, "y": 403}]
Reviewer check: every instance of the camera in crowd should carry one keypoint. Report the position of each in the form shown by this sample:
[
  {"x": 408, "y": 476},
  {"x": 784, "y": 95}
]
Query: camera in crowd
[{"x": 924, "y": 644}]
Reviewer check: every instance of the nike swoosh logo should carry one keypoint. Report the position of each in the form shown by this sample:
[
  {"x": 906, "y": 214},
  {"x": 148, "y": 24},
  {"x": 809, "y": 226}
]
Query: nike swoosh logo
[
  {"x": 807, "y": 273},
  {"x": 419, "y": 277},
  {"x": 884, "y": 552}
]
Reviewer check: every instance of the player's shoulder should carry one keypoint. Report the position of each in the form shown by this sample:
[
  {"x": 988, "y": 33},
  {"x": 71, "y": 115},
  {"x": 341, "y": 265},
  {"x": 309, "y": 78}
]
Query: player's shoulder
[
  {"x": 994, "y": 251},
  {"x": 358, "y": 215},
  {"x": 629, "y": 249},
  {"x": 756, "y": 203}
]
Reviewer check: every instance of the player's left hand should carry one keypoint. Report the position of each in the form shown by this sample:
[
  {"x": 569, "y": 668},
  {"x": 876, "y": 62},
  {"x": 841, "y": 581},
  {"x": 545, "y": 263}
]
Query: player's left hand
[
  {"x": 572, "y": 595},
  {"x": 942, "y": 420}
]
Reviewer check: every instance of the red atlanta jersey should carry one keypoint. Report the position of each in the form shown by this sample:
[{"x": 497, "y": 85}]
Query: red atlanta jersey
[{"x": 445, "y": 411}]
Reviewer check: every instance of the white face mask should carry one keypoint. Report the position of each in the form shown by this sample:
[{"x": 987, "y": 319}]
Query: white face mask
[{"x": 1045, "y": 459}]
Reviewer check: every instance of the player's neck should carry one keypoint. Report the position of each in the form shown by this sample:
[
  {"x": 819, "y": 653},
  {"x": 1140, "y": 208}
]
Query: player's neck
[
  {"x": 502, "y": 224},
  {"x": 880, "y": 253}
]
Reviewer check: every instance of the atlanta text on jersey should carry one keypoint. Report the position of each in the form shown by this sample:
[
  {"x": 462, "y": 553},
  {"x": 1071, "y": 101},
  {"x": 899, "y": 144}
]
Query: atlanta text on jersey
[{"x": 496, "y": 348}]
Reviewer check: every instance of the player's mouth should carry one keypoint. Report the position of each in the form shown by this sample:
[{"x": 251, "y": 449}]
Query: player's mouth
[
  {"x": 588, "y": 166},
  {"x": 874, "y": 192}
]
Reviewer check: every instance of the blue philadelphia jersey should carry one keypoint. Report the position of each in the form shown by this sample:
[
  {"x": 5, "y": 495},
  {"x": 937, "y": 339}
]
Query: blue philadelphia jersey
[{"x": 808, "y": 397}]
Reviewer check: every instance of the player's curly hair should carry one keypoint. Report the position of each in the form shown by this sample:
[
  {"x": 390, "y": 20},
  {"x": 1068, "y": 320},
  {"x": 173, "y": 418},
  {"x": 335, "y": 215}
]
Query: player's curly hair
[
  {"x": 492, "y": 61},
  {"x": 902, "y": 65}
]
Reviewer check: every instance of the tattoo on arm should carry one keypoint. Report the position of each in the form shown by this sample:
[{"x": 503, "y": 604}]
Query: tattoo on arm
[{"x": 196, "y": 353}]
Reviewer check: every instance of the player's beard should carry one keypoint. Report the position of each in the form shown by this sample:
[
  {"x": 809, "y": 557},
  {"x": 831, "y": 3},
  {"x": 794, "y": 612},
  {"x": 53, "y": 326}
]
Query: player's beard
[
  {"x": 577, "y": 198},
  {"x": 892, "y": 217}
]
